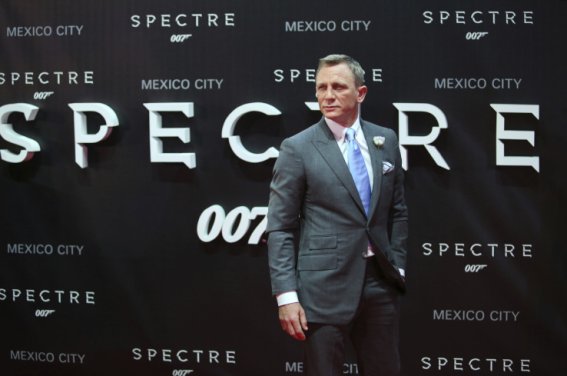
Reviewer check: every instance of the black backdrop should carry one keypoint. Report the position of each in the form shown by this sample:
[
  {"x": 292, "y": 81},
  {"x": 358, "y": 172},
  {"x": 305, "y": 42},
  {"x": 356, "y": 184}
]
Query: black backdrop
[{"x": 118, "y": 255}]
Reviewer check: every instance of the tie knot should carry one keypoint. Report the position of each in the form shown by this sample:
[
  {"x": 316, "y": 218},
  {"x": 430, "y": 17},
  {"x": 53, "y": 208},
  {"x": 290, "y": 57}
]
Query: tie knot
[{"x": 350, "y": 134}]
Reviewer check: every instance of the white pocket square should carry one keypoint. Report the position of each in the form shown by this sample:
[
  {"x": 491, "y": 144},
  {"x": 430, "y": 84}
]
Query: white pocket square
[{"x": 387, "y": 167}]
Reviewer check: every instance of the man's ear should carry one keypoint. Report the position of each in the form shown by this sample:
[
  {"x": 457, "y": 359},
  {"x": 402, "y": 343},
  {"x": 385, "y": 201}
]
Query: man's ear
[{"x": 362, "y": 90}]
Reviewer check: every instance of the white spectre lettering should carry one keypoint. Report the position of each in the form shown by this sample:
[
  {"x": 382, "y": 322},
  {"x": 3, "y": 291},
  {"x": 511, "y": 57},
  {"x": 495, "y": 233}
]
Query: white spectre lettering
[
  {"x": 185, "y": 356},
  {"x": 48, "y": 296},
  {"x": 157, "y": 132},
  {"x": 478, "y": 17},
  {"x": 425, "y": 141},
  {"x": 507, "y": 250},
  {"x": 294, "y": 74},
  {"x": 81, "y": 135},
  {"x": 29, "y": 146},
  {"x": 502, "y": 134},
  {"x": 234, "y": 140},
  {"x": 47, "y": 78},
  {"x": 182, "y": 20},
  {"x": 82, "y": 138},
  {"x": 475, "y": 364},
  {"x": 308, "y": 75}
]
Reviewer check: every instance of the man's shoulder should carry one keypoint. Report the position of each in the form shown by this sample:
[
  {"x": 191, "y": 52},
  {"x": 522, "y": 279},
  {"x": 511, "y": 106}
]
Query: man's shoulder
[
  {"x": 305, "y": 135},
  {"x": 376, "y": 129},
  {"x": 374, "y": 126}
]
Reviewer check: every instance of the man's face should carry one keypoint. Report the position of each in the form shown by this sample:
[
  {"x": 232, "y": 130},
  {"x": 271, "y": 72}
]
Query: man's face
[{"x": 337, "y": 94}]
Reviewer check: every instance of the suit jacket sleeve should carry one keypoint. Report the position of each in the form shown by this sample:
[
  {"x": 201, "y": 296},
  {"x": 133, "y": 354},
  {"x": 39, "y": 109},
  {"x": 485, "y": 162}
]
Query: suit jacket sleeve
[
  {"x": 286, "y": 196},
  {"x": 398, "y": 216}
]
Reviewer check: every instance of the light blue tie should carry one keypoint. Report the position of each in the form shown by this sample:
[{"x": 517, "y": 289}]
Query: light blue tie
[{"x": 358, "y": 168}]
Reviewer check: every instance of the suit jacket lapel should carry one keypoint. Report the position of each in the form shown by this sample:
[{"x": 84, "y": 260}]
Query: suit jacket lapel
[
  {"x": 325, "y": 143},
  {"x": 376, "y": 158}
]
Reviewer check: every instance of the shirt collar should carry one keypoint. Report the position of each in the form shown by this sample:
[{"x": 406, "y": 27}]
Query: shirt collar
[{"x": 339, "y": 131}]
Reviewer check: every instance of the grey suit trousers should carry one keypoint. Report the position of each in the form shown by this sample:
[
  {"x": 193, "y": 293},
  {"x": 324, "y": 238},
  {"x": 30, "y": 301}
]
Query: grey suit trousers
[{"x": 373, "y": 332}]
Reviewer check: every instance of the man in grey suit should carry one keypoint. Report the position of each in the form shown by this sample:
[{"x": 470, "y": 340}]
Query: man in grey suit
[{"x": 337, "y": 239}]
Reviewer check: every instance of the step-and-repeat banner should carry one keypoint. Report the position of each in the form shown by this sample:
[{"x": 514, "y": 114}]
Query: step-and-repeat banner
[{"x": 137, "y": 140}]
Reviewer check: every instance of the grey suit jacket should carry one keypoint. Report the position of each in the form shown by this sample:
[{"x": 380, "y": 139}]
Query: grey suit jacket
[{"x": 317, "y": 226}]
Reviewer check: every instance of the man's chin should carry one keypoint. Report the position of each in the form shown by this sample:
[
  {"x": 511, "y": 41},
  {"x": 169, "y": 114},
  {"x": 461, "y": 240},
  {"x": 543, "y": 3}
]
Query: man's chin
[
  {"x": 331, "y": 115},
  {"x": 337, "y": 119}
]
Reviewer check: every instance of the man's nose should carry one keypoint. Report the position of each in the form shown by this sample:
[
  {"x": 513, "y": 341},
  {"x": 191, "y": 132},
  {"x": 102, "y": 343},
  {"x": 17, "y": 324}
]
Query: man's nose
[{"x": 329, "y": 94}]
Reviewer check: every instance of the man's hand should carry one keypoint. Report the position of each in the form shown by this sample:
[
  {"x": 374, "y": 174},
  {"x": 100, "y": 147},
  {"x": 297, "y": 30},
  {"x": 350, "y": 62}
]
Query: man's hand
[{"x": 293, "y": 321}]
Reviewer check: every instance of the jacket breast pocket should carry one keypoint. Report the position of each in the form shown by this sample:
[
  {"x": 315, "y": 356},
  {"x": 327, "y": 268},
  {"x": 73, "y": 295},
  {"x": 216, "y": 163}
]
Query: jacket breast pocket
[{"x": 328, "y": 261}]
